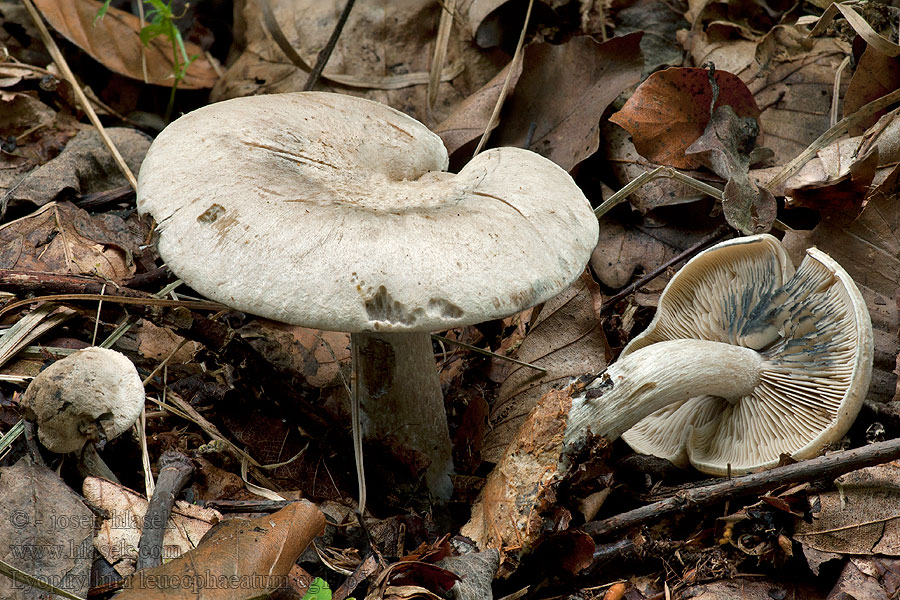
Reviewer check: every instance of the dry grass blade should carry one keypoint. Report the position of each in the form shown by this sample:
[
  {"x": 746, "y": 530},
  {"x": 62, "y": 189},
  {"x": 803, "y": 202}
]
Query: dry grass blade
[
  {"x": 161, "y": 302},
  {"x": 440, "y": 50},
  {"x": 60, "y": 61},
  {"x": 30, "y": 327},
  {"x": 517, "y": 56}
]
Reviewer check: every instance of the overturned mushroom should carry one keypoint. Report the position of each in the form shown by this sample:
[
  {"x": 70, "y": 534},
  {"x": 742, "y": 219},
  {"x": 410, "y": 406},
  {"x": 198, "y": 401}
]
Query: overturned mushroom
[
  {"x": 92, "y": 395},
  {"x": 334, "y": 212},
  {"x": 783, "y": 358}
]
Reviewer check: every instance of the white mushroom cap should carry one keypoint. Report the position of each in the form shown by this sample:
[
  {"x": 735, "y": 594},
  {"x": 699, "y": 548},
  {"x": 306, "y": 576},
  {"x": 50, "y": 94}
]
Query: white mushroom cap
[
  {"x": 331, "y": 211},
  {"x": 813, "y": 331},
  {"x": 93, "y": 394}
]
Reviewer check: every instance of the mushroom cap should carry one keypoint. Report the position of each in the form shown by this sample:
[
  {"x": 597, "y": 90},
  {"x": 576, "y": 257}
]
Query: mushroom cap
[
  {"x": 335, "y": 212},
  {"x": 94, "y": 393},
  {"x": 811, "y": 327}
]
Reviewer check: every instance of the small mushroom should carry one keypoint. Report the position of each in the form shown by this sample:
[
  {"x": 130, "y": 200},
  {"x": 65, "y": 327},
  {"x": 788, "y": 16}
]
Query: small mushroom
[
  {"x": 92, "y": 395},
  {"x": 334, "y": 212},
  {"x": 745, "y": 360}
]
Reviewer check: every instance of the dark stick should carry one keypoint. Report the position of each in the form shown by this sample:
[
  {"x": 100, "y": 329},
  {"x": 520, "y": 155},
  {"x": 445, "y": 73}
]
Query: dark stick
[
  {"x": 247, "y": 506},
  {"x": 325, "y": 54},
  {"x": 174, "y": 470},
  {"x": 715, "y": 236},
  {"x": 823, "y": 467}
]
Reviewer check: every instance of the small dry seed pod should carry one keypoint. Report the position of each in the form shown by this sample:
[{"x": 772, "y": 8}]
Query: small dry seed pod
[{"x": 92, "y": 395}]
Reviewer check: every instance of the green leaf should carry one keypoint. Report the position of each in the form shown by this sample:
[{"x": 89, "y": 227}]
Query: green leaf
[
  {"x": 318, "y": 590},
  {"x": 101, "y": 12}
]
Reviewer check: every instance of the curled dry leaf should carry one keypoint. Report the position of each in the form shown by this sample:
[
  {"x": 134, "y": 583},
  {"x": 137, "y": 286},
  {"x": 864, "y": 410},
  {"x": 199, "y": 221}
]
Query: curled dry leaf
[
  {"x": 671, "y": 109},
  {"x": 563, "y": 91},
  {"x": 727, "y": 149},
  {"x": 875, "y": 76},
  {"x": 567, "y": 340},
  {"x": 115, "y": 42},
  {"x": 240, "y": 558},
  {"x": 118, "y": 535}
]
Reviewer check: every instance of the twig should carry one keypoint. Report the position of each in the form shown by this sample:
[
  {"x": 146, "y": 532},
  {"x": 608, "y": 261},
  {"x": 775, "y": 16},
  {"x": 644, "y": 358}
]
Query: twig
[
  {"x": 60, "y": 61},
  {"x": 716, "y": 235},
  {"x": 325, "y": 54},
  {"x": 823, "y": 467},
  {"x": 174, "y": 470}
]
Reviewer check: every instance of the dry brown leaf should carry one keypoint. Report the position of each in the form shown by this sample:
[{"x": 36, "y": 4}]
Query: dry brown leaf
[
  {"x": 46, "y": 531},
  {"x": 468, "y": 122},
  {"x": 794, "y": 81},
  {"x": 840, "y": 199},
  {"x": 238, "y": 559},
  {"x": 84, "y": 166},
  {"x": 563, "y": 91},
  {"x": 384, "y": 49},
  {"x": 861, "y": 517},
  {"x": 671, "y": 109},
  {"x": 118, "y": 535},
  {"x": 875, "y": 76},
  {"x": 115, "y": 42},
  {"x": 621, "y": 251},
  {"x": 62, "y": 238},
  {"x": 567, "y": 340}
]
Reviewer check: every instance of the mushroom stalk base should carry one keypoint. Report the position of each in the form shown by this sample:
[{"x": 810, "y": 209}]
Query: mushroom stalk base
[
  {"x": 656, "y": 376},
  {"x": 401, "y": 399}
]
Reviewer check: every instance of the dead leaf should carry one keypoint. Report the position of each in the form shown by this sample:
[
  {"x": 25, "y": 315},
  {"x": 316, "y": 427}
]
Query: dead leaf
[
  {"x": 563, "y": 91},
  {"x": 470, "y": 119},
  {"x": 46, "y": 531},
  {"x": 84, "y": 166},
  {"x": 747, "y": 588},
  {"x": 875, "y": 76},
  {"x": 118, "y": 535},
  {"x": 160, "y": 343},
  {"x": 839, "y": 200},
  {"x": 861, "y": 517},
  {"x": 659, "y": 24},
  {"x": 567, "y": 340},
  {"x": 867, "y": 579},
  {"x": 671, "y": 109},
  {"x": 793, "y": 80},
  {"x": 727, "y": 147},
  {"x": 620, "y": 252},
  {"x": 476, "y": 572},
  {"x": 317, "y": 355},
  {"x": 238, "y": 559},
  {"x": 384, "y": 51},
  {"x": 115, "y": 42},
  {"x": 55, "y": 238}
]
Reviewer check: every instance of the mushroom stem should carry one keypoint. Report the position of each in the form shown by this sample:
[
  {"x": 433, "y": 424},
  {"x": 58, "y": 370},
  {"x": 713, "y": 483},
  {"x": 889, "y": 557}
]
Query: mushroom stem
[
  {"x": 658, "y": 375},
  {"x": 400, "y": 394}
]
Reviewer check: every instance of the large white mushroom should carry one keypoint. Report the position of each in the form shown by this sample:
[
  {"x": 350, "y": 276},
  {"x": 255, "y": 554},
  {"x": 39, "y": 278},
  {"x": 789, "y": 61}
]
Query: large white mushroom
[{"x": 335, "y": 212}]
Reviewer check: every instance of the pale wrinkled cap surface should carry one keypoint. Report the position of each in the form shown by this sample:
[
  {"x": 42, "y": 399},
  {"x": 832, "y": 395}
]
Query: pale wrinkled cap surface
[
  {"x": 93, "y": 390},
  {"x": 811, "y": 327},
  {"x": 333, "y": 212}
]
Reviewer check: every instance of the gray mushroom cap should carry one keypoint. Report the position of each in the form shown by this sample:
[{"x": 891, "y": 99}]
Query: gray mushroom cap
[
  {"x": 94, "y": 394},
  {"x": 334, "y": 212},
  {"x": 810, "y": 326}
]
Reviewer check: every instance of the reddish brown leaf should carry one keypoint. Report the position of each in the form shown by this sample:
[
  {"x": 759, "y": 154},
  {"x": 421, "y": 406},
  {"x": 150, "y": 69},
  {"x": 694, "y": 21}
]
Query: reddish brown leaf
[
  {"x": 563, "y": 91},
  {"x": 240, "y": 558},
  {"x": 671, "y": 109},
  {"x": 115, "y": 42}
]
